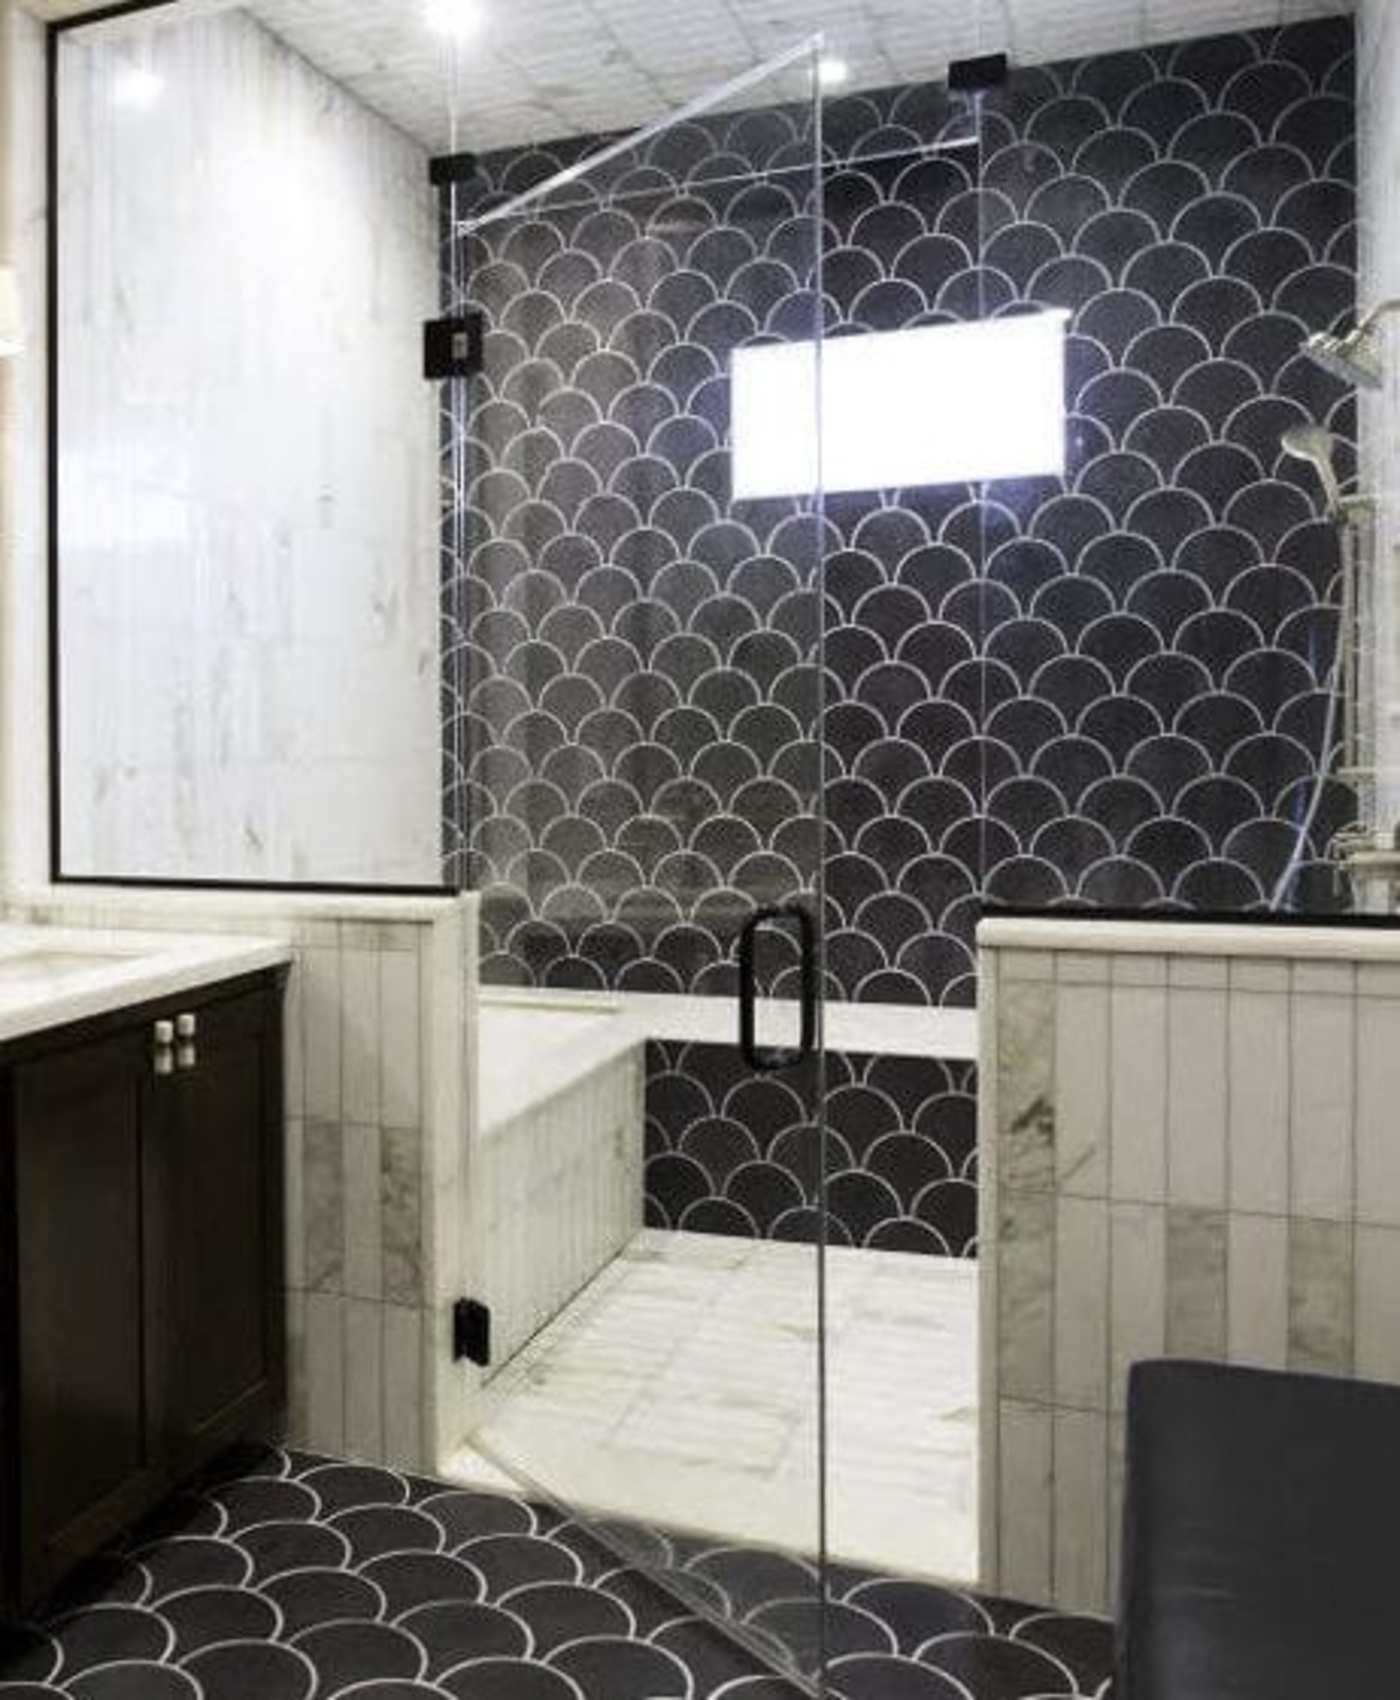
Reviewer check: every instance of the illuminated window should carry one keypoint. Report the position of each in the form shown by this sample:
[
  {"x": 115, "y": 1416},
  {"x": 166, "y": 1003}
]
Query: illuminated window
[{"x": 940, "y": 404}]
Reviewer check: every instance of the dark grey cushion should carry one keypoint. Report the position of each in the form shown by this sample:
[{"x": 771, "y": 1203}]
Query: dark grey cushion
[{"x": 1261, "y": 1545}]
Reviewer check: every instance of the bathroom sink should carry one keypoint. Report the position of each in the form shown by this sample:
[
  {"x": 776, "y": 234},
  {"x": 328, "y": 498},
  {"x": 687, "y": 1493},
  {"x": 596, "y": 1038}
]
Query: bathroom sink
[
  {"x": 51, "y": 975},
  {"x": 44, "y": 967}
]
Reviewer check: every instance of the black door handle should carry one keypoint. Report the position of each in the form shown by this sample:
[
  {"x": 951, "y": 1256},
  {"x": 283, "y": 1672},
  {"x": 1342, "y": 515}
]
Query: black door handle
[{"x": 767, "y": 1059}]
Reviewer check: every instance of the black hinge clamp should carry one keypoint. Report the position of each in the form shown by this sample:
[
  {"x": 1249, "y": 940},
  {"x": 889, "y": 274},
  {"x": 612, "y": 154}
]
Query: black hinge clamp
[
  {"x": 471, "y": 1332},
  {"x": 976, "y": 76},
  {"x": 448, "y": 168},
  {"x": 452, "y": 347}
]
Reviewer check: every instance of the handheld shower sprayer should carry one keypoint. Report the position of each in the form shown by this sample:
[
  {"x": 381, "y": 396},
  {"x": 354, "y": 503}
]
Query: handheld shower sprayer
[{"x": 1316, "y": 445}]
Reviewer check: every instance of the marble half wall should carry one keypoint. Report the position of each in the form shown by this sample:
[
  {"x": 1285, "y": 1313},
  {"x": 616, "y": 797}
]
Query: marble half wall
[
  {"x": 1191, "y": 1150},
  {"x": 379, "y": 1035}
]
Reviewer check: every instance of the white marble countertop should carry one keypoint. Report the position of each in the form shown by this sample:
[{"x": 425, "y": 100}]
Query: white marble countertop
[
  {"x": 51, "y": 976},
  {"x": 1191, "y": 938}
]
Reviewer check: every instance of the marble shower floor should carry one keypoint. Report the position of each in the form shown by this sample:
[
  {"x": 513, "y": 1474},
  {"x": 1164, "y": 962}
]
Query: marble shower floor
[{"x": 680, "y": 1389}]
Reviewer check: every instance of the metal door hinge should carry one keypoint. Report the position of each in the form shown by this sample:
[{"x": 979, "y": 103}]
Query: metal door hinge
[
  {"x": 471, "y": 1332},
  {"x": 452, "y": 346},
  {"x": 448, "y": 168},
  {"x": 977, "y": 76}
]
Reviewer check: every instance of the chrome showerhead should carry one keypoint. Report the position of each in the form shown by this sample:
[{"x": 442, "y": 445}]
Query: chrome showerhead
[
  {"x": 1355, "y": 357},
  {"x": 1352, "y": 358},
  {"x": 1318, "y": 447}
]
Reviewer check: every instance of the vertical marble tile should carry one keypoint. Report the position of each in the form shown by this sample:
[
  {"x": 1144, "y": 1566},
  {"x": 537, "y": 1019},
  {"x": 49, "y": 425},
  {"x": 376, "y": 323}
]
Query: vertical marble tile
[
  {"x": 1137, "y": 1292},
  {"x": 1134, "y": 968},
  {"x": 1117, "y": 1480},
  {"x": 364, "y": 1380},
  {"x": 400, "y": 1084},
  {"x": 1025, "y": 1103},
  {"x": 1320, "y": 1120},
  {"x": 296, "y": 1370},
  {"x": 401, "y": 1211},
  {"x": 1197, "y": 1073},
  {"x": 325, "y": 1373},
  {"x": 1025, "y": 1567},
  {"x": 1332, "y": 979},
  {"x": 1378, "y": 1303},
  {"x": 1025, "y": 1295},
  {"x": 364, "y": 1236},
  {"x": 1138, "y": 1093},
  {"x": 294, "y": 1220},
  {"x": 1198, "y": 973},
  {"x": 1082, "y": 967},
  {"x": 1081, "y": 1310},
  {"x": 320, "y": 988},
  {"x": 1321, "y": 1324},
  {"x": 1080, "y": 1494},
  {"x": 1081, "y": 1090},
  {"x": 1377, "y": 1101},
  {"x": 1197, "y": 1246},
  {"x": 403, "y": 1388},
  {"x": 323, "y": 1205},
  {"x": 1259, "y": 1096},
  {"x": 1029, "y": 965},
  {"x": 1257, "y": 1291},
  {"x": 359, "y": 1035},
  {"x": 294, "y": 1042}
]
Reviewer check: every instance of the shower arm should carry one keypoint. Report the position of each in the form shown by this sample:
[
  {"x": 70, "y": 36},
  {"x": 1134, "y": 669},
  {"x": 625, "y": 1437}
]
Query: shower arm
[{"x": 1382, "y": 310}]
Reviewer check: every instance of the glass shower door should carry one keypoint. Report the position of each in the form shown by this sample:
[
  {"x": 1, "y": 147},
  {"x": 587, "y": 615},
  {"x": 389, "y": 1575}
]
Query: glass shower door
[{"x": 633, "y": 638}]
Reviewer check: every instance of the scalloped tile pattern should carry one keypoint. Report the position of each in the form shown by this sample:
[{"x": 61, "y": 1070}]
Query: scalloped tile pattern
[
  {"x": 291, "y": 1577},
  {"x": 1107, "y": 689},
  {"x": 728, "y": 1153}
]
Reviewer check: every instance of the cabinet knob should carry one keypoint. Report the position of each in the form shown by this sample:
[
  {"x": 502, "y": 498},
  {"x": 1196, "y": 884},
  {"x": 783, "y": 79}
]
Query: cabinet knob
[
  {"x": 164, "y": 1032},
  {"x": 186, "y": 1026},
  {"x": 185, "y": 1057},
  {"x": 163, "y": 1062}
]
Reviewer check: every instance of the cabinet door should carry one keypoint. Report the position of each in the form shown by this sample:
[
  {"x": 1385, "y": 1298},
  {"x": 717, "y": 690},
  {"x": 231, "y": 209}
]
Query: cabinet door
[
  {"x": 214, "y": 1230},
  {"x": 87, "y": 1464}
]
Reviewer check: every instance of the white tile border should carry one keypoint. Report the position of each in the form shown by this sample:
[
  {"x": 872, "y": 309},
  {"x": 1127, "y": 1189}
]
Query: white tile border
[{"x": 1280, "y": 942}]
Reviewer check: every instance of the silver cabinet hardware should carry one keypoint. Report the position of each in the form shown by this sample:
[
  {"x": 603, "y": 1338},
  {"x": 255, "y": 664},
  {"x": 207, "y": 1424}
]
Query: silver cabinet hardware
[
  {"x": 186, "y": 1026},
  {"x": 162, "y": 1051},
  {"x": 185, "y": 1057}
]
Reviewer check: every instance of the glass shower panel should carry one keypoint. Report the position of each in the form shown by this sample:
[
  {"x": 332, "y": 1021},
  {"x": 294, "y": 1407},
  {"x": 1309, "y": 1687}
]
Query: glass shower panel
[
  {"x": 904, "y": 805},
  {"x": 635, "y": 690}
]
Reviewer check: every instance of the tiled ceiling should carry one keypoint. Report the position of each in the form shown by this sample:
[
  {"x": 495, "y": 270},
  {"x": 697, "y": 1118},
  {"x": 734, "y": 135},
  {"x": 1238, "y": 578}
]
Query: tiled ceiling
[{"x": 540, "y": 69}]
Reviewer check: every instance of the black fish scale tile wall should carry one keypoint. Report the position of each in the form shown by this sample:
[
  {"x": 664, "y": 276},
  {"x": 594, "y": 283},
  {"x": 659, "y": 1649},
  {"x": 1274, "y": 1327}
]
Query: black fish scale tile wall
[
  {"x": 1105, "y": 689},
  {"x": 728, "y": 1153},
  {"x": 306, "y": 1578}
]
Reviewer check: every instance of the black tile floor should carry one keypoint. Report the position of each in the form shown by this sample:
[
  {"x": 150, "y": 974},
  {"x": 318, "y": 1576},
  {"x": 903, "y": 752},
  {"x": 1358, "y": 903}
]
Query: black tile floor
[{"x": 288, "y": 1577}]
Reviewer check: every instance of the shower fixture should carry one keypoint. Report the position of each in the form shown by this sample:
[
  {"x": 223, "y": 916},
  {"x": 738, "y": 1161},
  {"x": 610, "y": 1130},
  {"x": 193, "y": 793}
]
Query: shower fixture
[
  {"x": 1355, "y": 357},
  {"x": 1316, "y": 445},
  {"x": 1348, "y": 678}
]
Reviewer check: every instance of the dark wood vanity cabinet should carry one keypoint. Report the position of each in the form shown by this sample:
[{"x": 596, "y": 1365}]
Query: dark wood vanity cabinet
[{"x": 142, "y": 1239}]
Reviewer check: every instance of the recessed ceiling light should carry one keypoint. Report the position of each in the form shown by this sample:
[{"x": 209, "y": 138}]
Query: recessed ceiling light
[
  {"x": 833, "y": 72},
  {"x": 136, "y": 86},
  {"x": 459, "y": 18}
]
